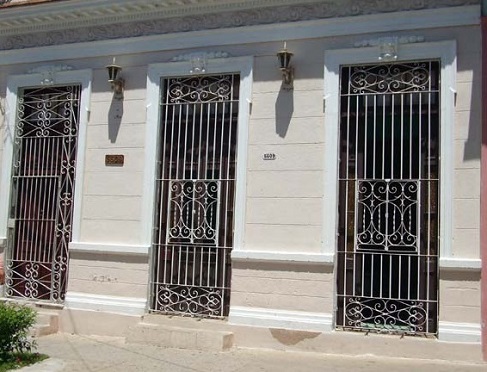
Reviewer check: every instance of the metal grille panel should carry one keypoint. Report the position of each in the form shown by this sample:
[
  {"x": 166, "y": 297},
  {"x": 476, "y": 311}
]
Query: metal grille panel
[
  {"x": 41, "y": 204},
  {"x": 195, "y": 212},
  {"x": 387, "y": 279},
  {"x": 195, "y": 183},
  {"x": 387, "y": 211}
]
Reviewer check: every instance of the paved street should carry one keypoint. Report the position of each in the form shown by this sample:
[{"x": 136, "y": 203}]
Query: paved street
[{"x": 83, "y": 353}]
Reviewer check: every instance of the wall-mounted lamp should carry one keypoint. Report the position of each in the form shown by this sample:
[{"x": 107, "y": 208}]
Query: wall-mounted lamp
[
  {"x": 115, "y": 80},
  {"x": 284, "y": 57}
]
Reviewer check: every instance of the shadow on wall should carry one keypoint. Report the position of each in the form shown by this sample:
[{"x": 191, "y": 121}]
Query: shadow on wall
[
  {"x": 284, "y": 111},
  {"x": 473, "y": 143},
  {"x": 115, "y": 115}
]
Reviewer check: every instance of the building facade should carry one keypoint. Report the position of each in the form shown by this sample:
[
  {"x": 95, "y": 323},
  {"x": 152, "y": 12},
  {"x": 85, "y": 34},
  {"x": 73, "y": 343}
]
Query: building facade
[{"x": 338, "y": 193}]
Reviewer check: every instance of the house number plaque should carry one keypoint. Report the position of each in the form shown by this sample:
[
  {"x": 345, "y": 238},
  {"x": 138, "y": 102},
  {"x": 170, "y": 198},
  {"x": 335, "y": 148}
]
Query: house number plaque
[
  {"x": 114, "y": 160},
  {"x": 269, "y": 156}
]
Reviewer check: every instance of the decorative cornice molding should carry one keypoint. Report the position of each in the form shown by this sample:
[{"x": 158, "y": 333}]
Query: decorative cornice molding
[
  {"x": 63, "y": 24},
  {"x": 10, "y": 3},
  {"x": 81, "y": 13}
]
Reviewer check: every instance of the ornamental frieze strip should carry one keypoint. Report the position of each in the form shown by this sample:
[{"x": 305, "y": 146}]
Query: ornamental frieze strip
[{"x": 114, "y": 28}]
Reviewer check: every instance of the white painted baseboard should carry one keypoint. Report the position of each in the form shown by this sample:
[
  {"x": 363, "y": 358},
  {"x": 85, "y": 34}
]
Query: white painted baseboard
[
  {"x": 274, "y": 318},
  {"x": 110, "y": 304},
  {"x": 459, "y": 332},
  {"x": 323, "y": 322}
]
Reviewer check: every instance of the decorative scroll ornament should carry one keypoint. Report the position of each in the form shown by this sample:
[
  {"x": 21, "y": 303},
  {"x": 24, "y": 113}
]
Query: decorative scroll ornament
[
  {"x": 215, "y": 88},
  {"x": 190, "y": 300},
  {"x": 392, "y": 316},
  {"x": 48, "y": 72},
  {"x": 199, "y": 61},
  {"x": 388, "y": 226},
  {"x": 387, "y": 215},
  {"x": 41, "y": 207},
  {"x": 206, "y": 55},
  {"x": 194, "y": 206},
  {"x": 54, "y": 113},
  {"x": 196, "y": 194},
  {"x": 400, "y": 40},
  {"x": 391, "y": 78},
  {"x": 388, "y": 49},
  {"x": 389, "y": 46}
]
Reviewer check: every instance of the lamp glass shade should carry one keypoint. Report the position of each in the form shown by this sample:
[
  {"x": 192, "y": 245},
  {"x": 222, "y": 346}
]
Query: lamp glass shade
[
  {"x": 284, "y": 57},
  {"x": 113, "y": 71}
]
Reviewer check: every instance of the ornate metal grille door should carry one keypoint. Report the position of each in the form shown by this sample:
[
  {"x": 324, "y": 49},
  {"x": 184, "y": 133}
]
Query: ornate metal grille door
[
  {"x": 387, "y": 277},
  {"x": 193, "y": 233},
  {"x": 41, "y": 203}
]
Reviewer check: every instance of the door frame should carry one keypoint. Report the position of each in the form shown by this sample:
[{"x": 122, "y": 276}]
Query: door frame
[
  {"x": 446, "y": 52},
  {"x": 215, "y": 66},
  {"x": 16, "y": 82}
]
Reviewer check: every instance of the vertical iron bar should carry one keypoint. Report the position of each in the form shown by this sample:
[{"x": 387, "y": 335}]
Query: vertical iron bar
[
  {"x": 383, "y": 136},
  {"x": 374, "y": 139},
  {"x": 366, "y": 136},
  {"x": 402, "y": 136},
  {"x": 347, "y": 185},
  {"x": 356, "y": 187}
]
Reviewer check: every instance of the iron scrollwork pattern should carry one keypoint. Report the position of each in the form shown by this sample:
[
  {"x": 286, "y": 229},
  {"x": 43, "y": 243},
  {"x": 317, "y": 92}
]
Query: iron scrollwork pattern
[
  {"x": 388, "y": 220},
  {"x": 200, "y": 89},
  {"x": 195, "y": 183},
  {"x": 194, "y": 211},
  {"x": 390, "y": 316},
  {"x": 190, "y": 300},
  {"x": 47, "y": 112},
  {"x": 392, "y": 78},
  {"x": 386, "y": 213},
  {"x": 43, "y": 181}
]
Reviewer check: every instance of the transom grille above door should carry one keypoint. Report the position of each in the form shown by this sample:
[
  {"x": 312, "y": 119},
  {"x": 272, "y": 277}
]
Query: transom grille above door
[
  {"x": 387, "y": 277},
  {"x": 41, "y": 200},
  {"x": 195, "y": 195}
]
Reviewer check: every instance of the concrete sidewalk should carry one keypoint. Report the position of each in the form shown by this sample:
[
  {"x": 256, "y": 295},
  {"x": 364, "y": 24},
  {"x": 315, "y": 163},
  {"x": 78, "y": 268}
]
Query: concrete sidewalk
[{"x": 88, "y": 353}]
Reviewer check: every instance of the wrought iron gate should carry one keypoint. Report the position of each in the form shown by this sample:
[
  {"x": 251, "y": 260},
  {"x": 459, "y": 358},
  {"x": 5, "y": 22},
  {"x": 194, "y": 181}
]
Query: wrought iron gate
[
  {"x": 41, "y": 202},
  {"x": 387, "y": 278},
  {"x": 193, "y": 232}
]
